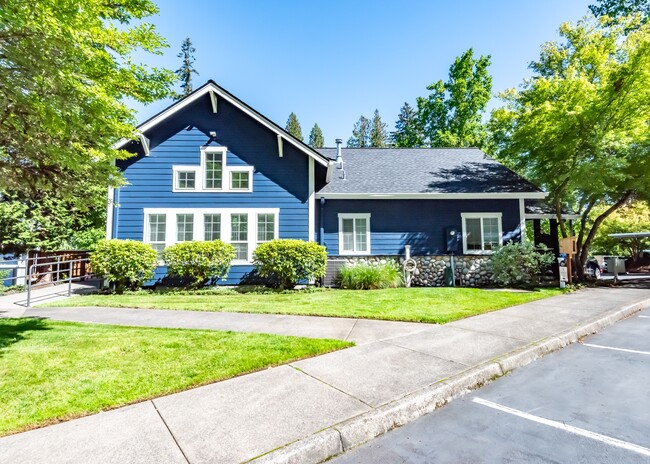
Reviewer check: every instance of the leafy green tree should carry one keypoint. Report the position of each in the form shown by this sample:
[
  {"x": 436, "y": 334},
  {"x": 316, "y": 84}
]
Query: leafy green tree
[
  {"x": 408, "y": 132},
  {"x": 619, "y": 8},
  {"x": 316, "y": 137},
  {"x": 51, "y": 222},
  {"x": 579, "y": 128},
  {"x": 186, "y": 70},
  {"x": 451, "y": 116},
  {"x": 293, "y": 127},
  {"x": 633, "y": 217},
  {"x": 378, "y": 135},
  {"x": 360, "y": 134},
  {"x": 67, "y": 71}
]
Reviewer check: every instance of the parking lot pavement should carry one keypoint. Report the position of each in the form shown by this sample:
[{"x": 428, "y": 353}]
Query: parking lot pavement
[{"x": 588, "y": 403}]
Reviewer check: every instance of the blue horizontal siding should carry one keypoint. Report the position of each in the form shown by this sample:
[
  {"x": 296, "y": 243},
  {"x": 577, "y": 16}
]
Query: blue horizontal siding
[
  {"x": 277, "y": 182},
  {"x": 419, "y": 223}
]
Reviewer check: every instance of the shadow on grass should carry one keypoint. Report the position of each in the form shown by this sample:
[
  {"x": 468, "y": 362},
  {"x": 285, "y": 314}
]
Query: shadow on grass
[{"x": 14, "y": 330}]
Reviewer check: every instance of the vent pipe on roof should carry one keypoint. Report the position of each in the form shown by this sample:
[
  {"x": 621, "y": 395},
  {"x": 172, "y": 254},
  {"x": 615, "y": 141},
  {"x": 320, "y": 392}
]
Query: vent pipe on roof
[{"x": 339, "y": 157}]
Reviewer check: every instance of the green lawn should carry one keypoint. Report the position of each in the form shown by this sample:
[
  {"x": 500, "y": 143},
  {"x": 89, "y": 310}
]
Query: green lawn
[
  {"x": 51, "y": 371},
  {"x": 433, "y": 304}
]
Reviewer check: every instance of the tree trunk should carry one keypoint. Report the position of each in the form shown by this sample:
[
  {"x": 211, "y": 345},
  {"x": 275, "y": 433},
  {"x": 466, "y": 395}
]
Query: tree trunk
[{"x": 583, "y": 250}]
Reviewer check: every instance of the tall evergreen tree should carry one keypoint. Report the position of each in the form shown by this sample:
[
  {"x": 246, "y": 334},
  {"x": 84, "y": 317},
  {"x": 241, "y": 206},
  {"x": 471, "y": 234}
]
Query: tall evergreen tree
[
  {"x": 408, "y": 132},
  {"x": 186, "y": 70},
  {"x": 293, "y": 126},
  {"x": 378, "y": 135},
  {"x": 316, "y": 137},
  {"x": 451, "y": 116},
  {"x": 66, "y": 73},
  {"x": 360, "y": 133}
]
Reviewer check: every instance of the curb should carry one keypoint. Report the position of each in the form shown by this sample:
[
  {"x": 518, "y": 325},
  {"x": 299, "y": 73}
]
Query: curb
[{"x": 358, "y": 430}]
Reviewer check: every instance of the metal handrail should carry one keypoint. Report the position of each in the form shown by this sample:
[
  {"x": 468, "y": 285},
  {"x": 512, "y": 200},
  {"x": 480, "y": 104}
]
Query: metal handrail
[{"x": 58, "y": 271}]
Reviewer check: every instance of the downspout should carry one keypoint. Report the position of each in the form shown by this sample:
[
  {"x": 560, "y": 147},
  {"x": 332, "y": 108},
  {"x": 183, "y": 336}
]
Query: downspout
[{"x": 321, "y": 232}]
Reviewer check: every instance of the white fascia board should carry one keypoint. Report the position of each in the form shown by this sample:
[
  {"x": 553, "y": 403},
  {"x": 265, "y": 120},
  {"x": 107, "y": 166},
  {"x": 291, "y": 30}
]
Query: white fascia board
[
  {"x": 213, "y": 88},
  {"x": 434, "y": 196}
]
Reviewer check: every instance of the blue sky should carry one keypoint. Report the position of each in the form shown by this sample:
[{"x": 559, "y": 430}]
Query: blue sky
[{"x": 331, "y": 61}]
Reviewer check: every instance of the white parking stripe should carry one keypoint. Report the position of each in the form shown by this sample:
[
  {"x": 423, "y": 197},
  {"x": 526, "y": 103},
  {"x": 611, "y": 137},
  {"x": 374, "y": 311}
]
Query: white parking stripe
[
  {"x": 645, "y": 317},
  {"x": 567, "y": 428},
  {"x": 616, "y": 349}
]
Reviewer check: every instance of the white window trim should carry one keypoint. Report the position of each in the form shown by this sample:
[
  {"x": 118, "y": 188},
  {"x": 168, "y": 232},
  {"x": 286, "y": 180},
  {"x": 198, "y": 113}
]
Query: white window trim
[
  {"x": 199, "y": 228},
  {"x": 245, "y": 169},
  {"x": 365, "y": 216},
  {"x": 177, "y": 170},
  {"x": 199, "y": 173},
  {"x": 466, "y": 216}
]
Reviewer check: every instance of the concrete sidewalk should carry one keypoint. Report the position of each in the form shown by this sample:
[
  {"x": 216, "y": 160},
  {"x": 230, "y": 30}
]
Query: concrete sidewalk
[{"x": 312, "y": 409}]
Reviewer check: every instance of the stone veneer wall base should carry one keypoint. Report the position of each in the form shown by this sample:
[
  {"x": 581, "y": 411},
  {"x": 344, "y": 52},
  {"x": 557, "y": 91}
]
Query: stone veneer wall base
[{"x": 471, "y": 270}]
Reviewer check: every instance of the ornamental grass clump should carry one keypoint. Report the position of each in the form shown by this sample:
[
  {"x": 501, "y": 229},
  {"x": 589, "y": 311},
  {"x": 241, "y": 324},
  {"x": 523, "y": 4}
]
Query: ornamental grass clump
[
  {"x": 125, "y": 263},
  {"x": 287, "y": 262},
  {"x": 519, "y": 264},
  {"x": 199, "y": 263},
  {"x": 368, "y": 277}
]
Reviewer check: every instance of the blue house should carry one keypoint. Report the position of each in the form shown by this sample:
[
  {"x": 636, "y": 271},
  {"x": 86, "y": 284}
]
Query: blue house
[{"x": 211, "y": 167}]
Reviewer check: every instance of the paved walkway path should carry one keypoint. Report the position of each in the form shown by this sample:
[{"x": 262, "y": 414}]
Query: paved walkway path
[
  {"x": 357, "y": 330},
  {"x": 239, "y": 419}
]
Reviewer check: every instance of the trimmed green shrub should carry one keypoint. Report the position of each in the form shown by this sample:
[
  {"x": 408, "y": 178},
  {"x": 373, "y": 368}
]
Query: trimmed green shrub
[
  {"x": 370, "y": 277},
  {"x": 519, "y": 264},
  {"x": 199, "y": 263},
  {"x": 125, "y": 263},
  {"x": 289, "y": 262}
]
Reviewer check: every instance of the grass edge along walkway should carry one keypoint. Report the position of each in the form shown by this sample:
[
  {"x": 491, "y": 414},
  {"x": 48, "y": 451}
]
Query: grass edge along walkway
[
  {"x": 415, "y": 304},
  {"x": 54, "y": 371}
]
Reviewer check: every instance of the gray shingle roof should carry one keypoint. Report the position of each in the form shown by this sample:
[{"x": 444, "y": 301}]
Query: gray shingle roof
[{"x": 421, "y": 170}]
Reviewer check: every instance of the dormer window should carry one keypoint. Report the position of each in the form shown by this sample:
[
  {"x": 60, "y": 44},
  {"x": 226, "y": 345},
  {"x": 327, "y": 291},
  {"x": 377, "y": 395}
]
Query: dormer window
[{"x": 213, "y": 174}]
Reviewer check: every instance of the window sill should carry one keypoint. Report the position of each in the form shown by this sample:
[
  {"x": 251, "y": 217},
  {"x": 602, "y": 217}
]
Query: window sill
[{"x": 195, "y": 190}]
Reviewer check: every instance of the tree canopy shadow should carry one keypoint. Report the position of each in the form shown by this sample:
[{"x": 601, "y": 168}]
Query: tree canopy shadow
[
  {"x": 15, "y": 330},
  {"x": 478, "y": 177}
]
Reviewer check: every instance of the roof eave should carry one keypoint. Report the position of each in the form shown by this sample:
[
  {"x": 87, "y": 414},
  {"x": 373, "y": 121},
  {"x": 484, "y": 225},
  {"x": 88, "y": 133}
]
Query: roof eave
[
  {"x": 211, "y": 86},
  {"x": 433, "y": 196}
]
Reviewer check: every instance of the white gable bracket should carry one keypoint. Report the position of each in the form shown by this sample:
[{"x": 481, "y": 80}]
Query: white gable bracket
[
  {"x": 145, "y": 143},
  {"x": 213, "y": 100},
  {"x": 280, "y": 146}
]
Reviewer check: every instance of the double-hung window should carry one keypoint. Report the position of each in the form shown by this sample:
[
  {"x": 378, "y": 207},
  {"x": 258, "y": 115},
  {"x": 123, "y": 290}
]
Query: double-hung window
[
  {"x": 157, "y": 226},
  {"x": 239, "y": 235},
  {"x": 211, "y": 227},
  {"x": 184, "y": 227},
  {"x": 354, "y": 234},
  {"x": 265, "y": 227},
  {"x": 482, "y": 232},
  {"x": 213, "y": 170}
]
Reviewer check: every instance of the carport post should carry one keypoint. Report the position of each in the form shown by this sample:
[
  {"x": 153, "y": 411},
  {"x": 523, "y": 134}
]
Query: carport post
[{"x": 615, "y": 268}]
